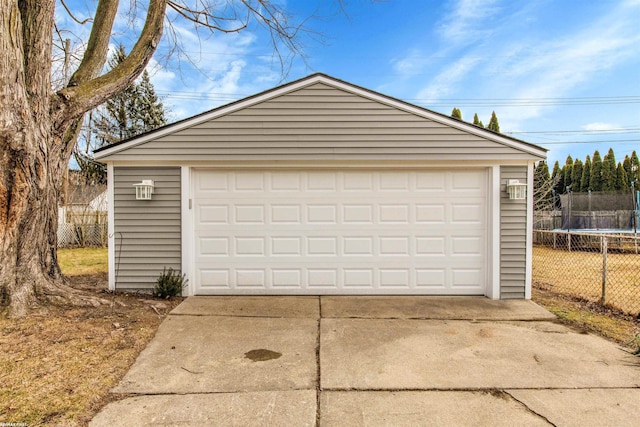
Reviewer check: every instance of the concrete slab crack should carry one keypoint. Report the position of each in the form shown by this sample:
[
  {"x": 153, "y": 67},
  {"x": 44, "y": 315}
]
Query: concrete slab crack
[{"x": 524, "y": 405}]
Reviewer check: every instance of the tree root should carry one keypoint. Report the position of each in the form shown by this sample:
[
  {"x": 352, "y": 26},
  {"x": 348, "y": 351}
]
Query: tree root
[
  {"x": 63, "y": 294},
  {"x": 54, "y": 292}
]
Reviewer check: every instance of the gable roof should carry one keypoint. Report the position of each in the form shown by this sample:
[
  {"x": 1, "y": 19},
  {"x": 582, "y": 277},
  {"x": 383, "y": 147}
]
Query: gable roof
[{"x": 278, "y": 104}]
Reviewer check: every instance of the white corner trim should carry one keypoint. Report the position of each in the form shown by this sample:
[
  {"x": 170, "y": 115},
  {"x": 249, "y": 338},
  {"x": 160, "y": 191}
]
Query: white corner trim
[
  {"x": 186, "y": 229},
  {"x": 494, "y": 289},
  {"x": 529, "y": 235},
  {"x": 111, "y": 243}
]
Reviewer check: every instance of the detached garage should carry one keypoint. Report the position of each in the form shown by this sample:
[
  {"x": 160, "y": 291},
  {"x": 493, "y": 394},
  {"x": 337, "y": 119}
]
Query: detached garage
[{"x": 321, "y": 187}]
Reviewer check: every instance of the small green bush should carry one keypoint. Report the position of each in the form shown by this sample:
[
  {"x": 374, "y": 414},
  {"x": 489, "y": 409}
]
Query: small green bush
[{"x": 169, "y": 284}]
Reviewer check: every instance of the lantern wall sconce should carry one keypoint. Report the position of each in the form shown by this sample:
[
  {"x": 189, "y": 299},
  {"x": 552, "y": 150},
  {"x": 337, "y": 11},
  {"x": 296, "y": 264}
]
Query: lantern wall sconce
[
  {"x": 516, "y": 190},
  {"x": 144, "y": 189}
]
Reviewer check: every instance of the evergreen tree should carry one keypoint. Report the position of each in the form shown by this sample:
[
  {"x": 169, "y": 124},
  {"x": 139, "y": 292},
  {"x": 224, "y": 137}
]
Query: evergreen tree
[
  {"x": 622, "y": 182},
  {"x": 609, "y": 171},
  {"x": 478, "y": 122},
  {"x": 567, "y": 174},
  {"x": 557, "y": 177},
  {"x": 456, "y": 114},
  {"x": 626, "y": 165},
  {"x": 585, "y": 181},
  {"x": 150, "y": 113},
  {"x": 635, "y": 175},
  {"x": 595, "y": 180},
  {"x": 493, "y": 123},
  {"x": 576, "y": 176}
]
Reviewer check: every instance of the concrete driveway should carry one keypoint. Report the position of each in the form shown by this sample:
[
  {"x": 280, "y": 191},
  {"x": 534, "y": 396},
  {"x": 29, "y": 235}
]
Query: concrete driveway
[{"x": 370, "y": 361}]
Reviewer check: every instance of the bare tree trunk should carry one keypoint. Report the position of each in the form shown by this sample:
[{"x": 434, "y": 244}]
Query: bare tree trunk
[
  {"x": 29, "y": 193},
  {"x": 33, "y": 157},
  {"x": 38, "y": 127}
]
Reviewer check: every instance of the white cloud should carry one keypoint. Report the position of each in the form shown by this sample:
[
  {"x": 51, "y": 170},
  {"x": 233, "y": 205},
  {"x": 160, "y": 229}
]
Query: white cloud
[
  {"x": 554, "y": 69},
  {"x": 598, "y": 126},
  {"x": 411, "y": 64},
  {"x": 227, "y": 84},
  {"x": 161, "y": 78},
  {"x": 468, "y": 19},
  {"x": 445, "y": 82}
]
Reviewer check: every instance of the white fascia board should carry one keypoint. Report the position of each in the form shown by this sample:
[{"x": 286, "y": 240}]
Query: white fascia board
[
  {"x": 111, "y": 242},
  {"x": 347, "y": 87},
  {"x": 331, "y": 164}
]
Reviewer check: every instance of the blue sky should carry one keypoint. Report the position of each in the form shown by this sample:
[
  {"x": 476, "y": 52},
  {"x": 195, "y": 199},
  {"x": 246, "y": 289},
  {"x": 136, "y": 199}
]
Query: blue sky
[{"x": 564, "y": 74}]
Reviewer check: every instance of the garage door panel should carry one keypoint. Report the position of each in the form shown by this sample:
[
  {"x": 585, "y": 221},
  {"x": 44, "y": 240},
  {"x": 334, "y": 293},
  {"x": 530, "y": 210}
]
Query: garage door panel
[
  {"x": 434, "y": 213},
  {"x": 322, "y": 278},
  {"x": 286, "y": 246},
  {"x": 248, "y": 181},
  {"x": 214, "y": 246},
  {"x": 434, "y": 181},
  {"x": 212, "y": 214},
  {"x": 295, "y": 246},
  {"x": 321, "y": 181},
  {"x": 350, "y": 232},
  {"x": 395, "y": 182},
  {"x": 212, "y": 278},
  {"x": 433, "y": 279},
  {"x": 285, "y": 181},
  {"x": 465, "y": 182},
  {"x": 394, "y": 213}
]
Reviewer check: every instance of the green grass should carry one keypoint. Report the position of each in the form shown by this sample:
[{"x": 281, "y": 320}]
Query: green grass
[{"x": 83, "y": 261}]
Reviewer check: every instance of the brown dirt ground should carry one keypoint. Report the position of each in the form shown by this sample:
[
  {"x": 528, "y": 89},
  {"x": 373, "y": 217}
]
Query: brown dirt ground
[
  {"x": 606, "y": 321},
  {"x": 59, "y": 363}
]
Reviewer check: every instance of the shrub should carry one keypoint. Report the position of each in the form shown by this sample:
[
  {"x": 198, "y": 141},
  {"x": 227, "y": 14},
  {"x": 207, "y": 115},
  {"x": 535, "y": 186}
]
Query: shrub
[{"x": 169, "y": 284}]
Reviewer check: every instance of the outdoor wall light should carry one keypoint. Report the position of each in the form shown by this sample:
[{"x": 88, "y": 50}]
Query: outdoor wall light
[
  {"x": 144, "y": 189},
  {"x": 516, "y": 190}
]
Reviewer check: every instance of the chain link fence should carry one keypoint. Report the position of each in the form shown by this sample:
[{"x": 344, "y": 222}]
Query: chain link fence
[
  {"x": 604, "y": 268},
  {"x": 82, "y": 235}
]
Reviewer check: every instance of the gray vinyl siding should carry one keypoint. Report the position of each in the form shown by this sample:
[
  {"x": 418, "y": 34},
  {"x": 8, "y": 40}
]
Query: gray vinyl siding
[
  {"x": 147, "y": 232},
  {"x": 319, "y": 122},
  {"x": 513, "y": 236}
]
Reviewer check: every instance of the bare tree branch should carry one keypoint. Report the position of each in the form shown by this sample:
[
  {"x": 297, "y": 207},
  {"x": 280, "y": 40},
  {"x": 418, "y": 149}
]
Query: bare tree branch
[
  {"x": 205, "y": 18},
  {"x": 95, "y": 55},
  {"x": 75, "y": 100},
  {"x": 64, "y": 4},
  {"x": 542, "y": 195}
]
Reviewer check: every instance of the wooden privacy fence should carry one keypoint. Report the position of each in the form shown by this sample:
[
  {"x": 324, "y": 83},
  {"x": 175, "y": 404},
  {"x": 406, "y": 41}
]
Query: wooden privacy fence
[
  {"x": 82, "y": 235},
  {"x": 604, "y": 268}
]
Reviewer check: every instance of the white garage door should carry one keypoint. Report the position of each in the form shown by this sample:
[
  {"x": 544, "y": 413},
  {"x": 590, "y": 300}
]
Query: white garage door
[{"x": 340, "y": 232}]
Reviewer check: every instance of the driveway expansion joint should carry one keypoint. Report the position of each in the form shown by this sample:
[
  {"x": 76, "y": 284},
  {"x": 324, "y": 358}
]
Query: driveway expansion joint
[
  {"x": 244, "y": 316},
  {"x": 318, "y": 366}
]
